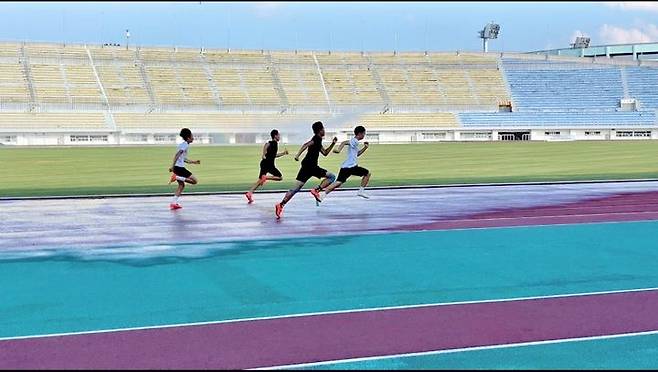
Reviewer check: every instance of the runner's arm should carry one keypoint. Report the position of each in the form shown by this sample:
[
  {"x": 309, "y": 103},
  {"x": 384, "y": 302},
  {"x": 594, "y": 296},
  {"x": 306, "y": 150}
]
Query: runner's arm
[
  {"x": 267, "y": 144},
  {"x": 326, "y": 151},
  {"x": 302, "y": 149},
  {"x": 338, "y": 149},
  {"x": 365, "y": 147}
]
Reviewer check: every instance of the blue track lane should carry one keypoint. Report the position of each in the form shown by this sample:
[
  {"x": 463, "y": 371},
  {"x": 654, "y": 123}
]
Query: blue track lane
[{"x": 253, "y": 279}]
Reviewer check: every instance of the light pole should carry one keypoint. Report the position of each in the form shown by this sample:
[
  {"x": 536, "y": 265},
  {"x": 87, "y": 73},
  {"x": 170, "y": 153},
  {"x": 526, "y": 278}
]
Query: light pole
[
  {"x": 395, "y": 48},
  {"x": 127, "y": 38}
]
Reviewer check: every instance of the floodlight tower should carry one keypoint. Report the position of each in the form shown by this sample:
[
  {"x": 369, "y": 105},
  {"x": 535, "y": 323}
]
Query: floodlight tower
[
  {"x": 581, "y": 42},
  {"x": 490, "y": 31}
]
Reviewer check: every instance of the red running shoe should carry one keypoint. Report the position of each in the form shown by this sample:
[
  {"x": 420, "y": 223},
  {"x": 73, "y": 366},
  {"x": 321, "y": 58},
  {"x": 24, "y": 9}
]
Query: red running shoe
[
  {"x": 173, "y": 178},
  {"x": 249, "y": 196},
  {"x": 278, "y": 210},
  {"x": 316, "y": 195},
  {"x": 174, "y": 206}
]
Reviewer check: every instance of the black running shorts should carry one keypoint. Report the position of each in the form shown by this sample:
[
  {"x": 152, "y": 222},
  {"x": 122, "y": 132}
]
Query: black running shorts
[
  {"x": 182, "y": 172},
  {"x": 268, "y": 167},
  {"x": 345, "y": 173},
  {"x": 307, "y": 172}
]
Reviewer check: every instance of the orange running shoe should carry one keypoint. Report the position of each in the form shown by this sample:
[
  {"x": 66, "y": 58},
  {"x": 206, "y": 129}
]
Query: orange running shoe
[
  {"x": 249, "y": 196},
  {"x": 263, "y": 179},
  {"x": 174, "y": 206},
  {"x": 278, "y": 210},
  {"x": 173, "y": 178},
  {"x": 316, "y": 195}
]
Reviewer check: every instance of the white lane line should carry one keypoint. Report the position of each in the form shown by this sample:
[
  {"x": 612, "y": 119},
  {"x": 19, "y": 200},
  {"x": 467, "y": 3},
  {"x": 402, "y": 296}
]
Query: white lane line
[
  {"x": 331, "y": 313},
  {"x": 401, "y": 187},
  {"x": 448, "y": 351}
]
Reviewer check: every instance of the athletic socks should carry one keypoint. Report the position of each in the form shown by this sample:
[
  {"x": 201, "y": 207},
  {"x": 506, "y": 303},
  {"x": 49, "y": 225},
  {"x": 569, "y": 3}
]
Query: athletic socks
[{"x": 175, "y": 201}]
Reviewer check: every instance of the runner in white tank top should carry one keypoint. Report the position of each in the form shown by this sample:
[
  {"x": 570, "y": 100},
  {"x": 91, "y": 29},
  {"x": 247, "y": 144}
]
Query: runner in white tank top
[
  {"x": 179, "y": 172},
  {"x": 350, "y": 166}
]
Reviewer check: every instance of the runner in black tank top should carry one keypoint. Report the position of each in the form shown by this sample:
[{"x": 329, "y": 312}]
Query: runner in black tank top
[
  {"x": 313, "y": 152},
  {"x": 310, "y": 167},
  {"x": 267, "y": 164},
  {"x": 270, "y": 153}
]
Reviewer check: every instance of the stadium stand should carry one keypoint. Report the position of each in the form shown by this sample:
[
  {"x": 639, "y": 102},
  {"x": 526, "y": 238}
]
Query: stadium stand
[
  {"x": 410, "y": 120},
  {"x": 54, "y": 53},
  {"x": 13, "y": 84},
  {"x": 80, "y": 122},
  {"x": 259, "y": 85},
  {"x": 149, "y": 90},
  {"x": 545, "y": 86},
  {"x": 300, "y": 79},
  {"x": 123, "y": 84},
  {"x": 643, "y": 85},
  {"x": 205, "y": 121}
]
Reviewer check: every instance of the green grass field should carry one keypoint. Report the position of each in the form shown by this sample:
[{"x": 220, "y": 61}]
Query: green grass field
[{"x": 126, "y": 170}]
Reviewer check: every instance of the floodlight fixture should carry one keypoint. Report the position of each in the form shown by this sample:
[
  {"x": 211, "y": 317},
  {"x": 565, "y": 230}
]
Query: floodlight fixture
[
  {"x": 581, "y": 42},
  {"x": 489, "y": 31}
]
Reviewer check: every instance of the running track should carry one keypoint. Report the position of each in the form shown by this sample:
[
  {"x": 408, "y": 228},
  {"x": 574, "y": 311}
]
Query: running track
[
  {"x": 48, "y": 227},
  {"x": 30, "y": 226}
]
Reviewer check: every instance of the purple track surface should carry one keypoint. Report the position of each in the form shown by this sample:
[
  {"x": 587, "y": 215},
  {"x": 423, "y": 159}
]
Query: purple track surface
[
  {"x": 625, "y": 207},
  {"x": 42, "y": 227},
  {"x": 305, "y": 339}
]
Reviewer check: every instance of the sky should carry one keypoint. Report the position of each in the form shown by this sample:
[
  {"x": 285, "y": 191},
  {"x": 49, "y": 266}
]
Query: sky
[{"x": 369, "y": 26}]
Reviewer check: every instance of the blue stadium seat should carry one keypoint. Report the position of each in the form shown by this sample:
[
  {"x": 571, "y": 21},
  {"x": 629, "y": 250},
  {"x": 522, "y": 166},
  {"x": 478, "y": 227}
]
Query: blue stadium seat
[
  {"x": 559, "y": 119},
  {"x": 559, "y": 86},
  {"x": 643, "y": 85}
]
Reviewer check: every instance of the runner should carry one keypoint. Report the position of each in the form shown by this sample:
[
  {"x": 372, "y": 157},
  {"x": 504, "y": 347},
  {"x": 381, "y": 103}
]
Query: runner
[
  {"x": 267, "y": 164},
  {"x": 310, "y": 167},
  {"x": 179, "y": 172}
]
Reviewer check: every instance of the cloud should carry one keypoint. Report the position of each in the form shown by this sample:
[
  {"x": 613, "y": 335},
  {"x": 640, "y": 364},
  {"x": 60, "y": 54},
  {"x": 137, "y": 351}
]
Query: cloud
[
  {"x": 618, "y": 35},
  {"x": 266, "y": 9},
  {"x": 647, "y": 6}
]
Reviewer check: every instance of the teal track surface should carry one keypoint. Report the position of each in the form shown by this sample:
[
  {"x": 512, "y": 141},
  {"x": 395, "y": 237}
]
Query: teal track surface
[
  {"x": 325, "y": 274},
  {"x": 637, "y": 352}
]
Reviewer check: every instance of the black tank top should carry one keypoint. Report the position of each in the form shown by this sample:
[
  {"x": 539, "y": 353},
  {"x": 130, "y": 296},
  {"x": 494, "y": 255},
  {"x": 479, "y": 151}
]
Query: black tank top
[
  {"x": 313, "y": 152},
  {"x": 272, "y": 150}
]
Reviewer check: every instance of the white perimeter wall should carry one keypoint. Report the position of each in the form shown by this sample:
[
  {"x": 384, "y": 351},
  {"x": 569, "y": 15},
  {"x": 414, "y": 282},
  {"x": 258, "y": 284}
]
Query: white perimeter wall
[{"x": 374, "y": 135}]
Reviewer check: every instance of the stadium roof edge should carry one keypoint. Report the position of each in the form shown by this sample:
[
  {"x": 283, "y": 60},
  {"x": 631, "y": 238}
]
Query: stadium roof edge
[
  {"x": 522, "y": 55},
  {"x": 649, "y": 49},
  {"x": 191, "y": 48},
  {"x": 597, "y": 46}
]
